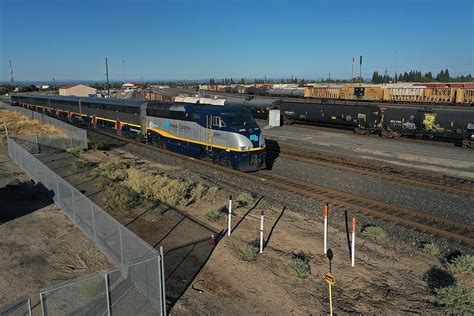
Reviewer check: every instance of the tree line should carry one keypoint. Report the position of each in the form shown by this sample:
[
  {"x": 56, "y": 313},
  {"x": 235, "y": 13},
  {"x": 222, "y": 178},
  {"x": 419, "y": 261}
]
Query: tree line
[{"x": 417, "y": 76}]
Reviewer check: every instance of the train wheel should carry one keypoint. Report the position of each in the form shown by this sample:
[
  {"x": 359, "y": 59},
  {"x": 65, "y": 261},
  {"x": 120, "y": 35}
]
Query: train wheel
[
  {"x": 396, "y": 134},
  {"x": 387, "y": 134}
]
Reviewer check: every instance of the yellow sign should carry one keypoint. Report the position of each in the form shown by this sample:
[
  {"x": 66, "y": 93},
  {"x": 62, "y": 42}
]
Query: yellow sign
[{"x": 330, "y": 278}]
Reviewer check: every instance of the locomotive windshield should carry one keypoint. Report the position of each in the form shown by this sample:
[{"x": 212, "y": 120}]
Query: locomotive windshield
[{"x": 239, "y": 120}]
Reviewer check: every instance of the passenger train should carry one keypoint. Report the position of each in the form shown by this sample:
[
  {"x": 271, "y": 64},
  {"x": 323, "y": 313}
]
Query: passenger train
[{"x": 227, "y": 136}]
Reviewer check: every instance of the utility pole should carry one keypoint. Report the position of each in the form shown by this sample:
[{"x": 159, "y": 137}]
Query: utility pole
[
  {"x": 12, "y": 79},
  {"x": 360, "y": 69},
  {"x": 385, "y": 77},
  {"x": 352, "y": 75},
  {"x": 107, "y": 76},
  {"x": 123, "y": 70},
  {"x": 396, "y": 55},
  {"x": 54, "y": 84},
  {"x": 329, "y": 76}
]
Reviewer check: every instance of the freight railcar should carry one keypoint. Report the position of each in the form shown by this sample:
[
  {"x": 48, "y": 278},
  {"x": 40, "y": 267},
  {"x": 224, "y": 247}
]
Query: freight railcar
[
  {"x": 446, "y": 123},
  {"x": 226, "y": 136},
  {"x": 363, "y": 118},
  {"x": 259, "y": 107}
]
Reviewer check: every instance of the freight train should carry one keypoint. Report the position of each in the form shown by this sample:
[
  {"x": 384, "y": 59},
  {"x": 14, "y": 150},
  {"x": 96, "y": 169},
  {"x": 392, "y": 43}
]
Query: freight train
[
  {"x": 451, "y": 123},
  {"x": 227, "y": 136},
  {"x": 450, "y": 93}
]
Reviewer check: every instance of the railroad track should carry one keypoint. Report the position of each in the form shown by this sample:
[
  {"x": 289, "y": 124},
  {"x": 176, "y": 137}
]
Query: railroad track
[
  {"x": 376, "y": 169},
  {"x": 420, "y": 221}
]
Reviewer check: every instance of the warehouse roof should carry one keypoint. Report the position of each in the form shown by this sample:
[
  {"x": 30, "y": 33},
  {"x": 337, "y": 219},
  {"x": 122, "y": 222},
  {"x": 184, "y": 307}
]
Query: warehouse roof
[{"x": 73, "y": 85}]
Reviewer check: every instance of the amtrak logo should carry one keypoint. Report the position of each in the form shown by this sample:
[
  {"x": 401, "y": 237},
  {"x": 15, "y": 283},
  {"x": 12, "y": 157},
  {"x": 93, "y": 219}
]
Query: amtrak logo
[{"x": 254, "y": 138}]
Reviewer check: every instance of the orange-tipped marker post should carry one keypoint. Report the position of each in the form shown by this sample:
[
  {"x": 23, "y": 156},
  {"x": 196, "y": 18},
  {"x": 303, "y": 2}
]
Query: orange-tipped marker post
[
  {"x": 353, "y": 240},
  {"x": 326, "y": 211}
]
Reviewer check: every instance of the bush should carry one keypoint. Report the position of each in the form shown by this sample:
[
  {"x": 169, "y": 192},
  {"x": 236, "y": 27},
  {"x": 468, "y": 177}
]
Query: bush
[
  {"x": 75, "y": 151},
  {"x": 300, "y": 264},
  {"x": 121, "y": 199},
  {"x": 98, "y": 145},
  {"x": 213, "y": 215},
  {"x": 374, "y": 233},
  {"x": 198, "y": 192},
  {"x": 243, "y": 199},
  {"x": 213, "y": 190},
  {"x": 462, "y": 266},
  {"x": 156, "y": 187},
  {"x": 247, "y": 252},
  {"x": 82, "y": 164},
  {"x": 458, "y": 298},
  {"x": 116, "y": 169},
  {"x": 431, "y": 249}
]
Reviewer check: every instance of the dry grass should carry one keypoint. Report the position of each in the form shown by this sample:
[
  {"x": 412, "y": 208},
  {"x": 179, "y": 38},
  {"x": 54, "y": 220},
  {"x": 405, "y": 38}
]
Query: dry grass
[{"x": 18, "y": 124}]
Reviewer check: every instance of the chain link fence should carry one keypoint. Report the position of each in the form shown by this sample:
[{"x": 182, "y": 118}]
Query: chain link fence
[
  {"x": 138, "y": 264},
  {"x": 71, "y": 137},
  {"x": 22, "y": 307}
]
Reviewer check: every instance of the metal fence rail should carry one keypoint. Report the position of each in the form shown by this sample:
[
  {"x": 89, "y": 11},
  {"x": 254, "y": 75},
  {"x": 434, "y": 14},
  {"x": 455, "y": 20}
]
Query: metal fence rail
[
  {"x": 129, "y": 253},
  {"x": 71, "y": 137},
  {"x": 22, "y": 307}
]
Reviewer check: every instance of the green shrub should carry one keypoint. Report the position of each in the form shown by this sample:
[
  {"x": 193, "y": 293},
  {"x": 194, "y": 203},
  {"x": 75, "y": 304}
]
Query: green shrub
[
  {"x": 457, "y": 298},
  {"x": 247, "y": 252},
  {"x": 300, "y": 264},
  {"x": 75, "y": 151},
  {"x": 98, "y": 145},
  {"x": 162, "y": 188},
  {"x": 213, "y": 215},
  {"x": 431, "y": 249},
  {"x": 116, "y": 169},
  {"x": 198, "y": 192},
  {"x": 374, "y": 233},
  {"x": 462, "y": 266},
  {"x": 243, "y": 199},
  {"x": 121, "y": 199},
  {"x": 82, "y": 164},
  {"x": 213, "y": 190}
]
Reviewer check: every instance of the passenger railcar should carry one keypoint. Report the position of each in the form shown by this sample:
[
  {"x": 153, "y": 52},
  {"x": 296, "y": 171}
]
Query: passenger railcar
[{"x": 226, "y": 136}]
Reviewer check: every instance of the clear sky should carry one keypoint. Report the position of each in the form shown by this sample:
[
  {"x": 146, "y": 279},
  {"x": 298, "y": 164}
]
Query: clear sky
[{"x": 69, "y": 39}]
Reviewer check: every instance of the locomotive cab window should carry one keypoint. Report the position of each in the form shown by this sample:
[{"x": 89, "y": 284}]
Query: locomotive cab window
[{"x": 217, "y": 121}]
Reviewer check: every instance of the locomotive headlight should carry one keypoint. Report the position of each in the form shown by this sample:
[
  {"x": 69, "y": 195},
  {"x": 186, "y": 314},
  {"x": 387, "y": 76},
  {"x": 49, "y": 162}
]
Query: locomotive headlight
[{"x": 244, "y": 148}]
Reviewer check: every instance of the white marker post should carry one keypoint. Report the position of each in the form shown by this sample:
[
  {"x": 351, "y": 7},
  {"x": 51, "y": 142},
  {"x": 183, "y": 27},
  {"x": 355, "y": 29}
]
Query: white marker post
[
  {"x": 325, "y": 228},
  {"x": 353, "y": 240},
  {"x": 261, "y": 232},
  {"x": 229, "y": 228}
]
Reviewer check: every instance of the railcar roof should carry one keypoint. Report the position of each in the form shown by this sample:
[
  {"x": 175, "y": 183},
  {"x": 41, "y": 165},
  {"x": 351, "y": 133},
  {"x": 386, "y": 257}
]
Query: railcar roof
[{"x": 123, "y": 102}]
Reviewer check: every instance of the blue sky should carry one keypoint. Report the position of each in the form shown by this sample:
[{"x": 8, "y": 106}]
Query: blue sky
[{"x": 69, "y": 39}]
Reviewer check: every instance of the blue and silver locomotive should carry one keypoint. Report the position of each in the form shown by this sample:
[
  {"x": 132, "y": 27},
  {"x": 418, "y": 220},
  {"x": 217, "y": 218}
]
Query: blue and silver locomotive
[{"x": 227, "y": 136}]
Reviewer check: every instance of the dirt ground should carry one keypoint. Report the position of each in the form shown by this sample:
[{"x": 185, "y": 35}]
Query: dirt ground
[
  {"x": 385, "y": 280},
  {"x": 207, "y": 279},
  {"x": 39, "y": 246}
]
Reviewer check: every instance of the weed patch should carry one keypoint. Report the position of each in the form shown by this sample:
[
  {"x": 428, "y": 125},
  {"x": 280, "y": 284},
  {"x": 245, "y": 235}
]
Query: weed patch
[
  {"x": 458, "y": 298},
  {"x": 80, "y": 164},
  {"x": 213, "y": 215},
  {"x": 98, "y": 145},
  {"x": 374, "y": 233},
  {"x": 75, "y": 151},
  {"x": 247, "y": 252},
  {"x": 462, "y": 267},
  {"x": 243, "y": 199},
  {"x": 300, "y": 265},
  {"x": 431, "y": 249},
  {"x": 213, "y": 190},
  {"x": 121, "y": 199}
]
